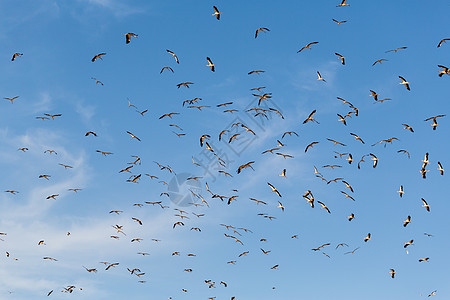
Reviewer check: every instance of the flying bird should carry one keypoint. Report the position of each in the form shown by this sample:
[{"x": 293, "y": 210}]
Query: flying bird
[
  {"x": 440, "y": 168},
  {"x": 404, "y": 82},
  {"x": 339, "y": 22},
  {"x": 444, "y": 71},
  {"x": 342, "y": 59},
  {"x": 133, "y": 136},
  {"x": 320, "y": 77},
  {"x": 395, "y": 50},
  {"x": 425, "y": 204},
  {"x": 174, "y": 56},
  {"x": 216, "y": 13},
  {"x": 407, "y": 221},
  {"x": 15, "y": 55},
  {"x": 343, "y": 3},
  {"x": 357, "y": 137},
  {"x": 98, "y": 56},
  {"x": 166, "y": 68},
  {"x": 11, "y": 99},
  {"x": 307, "y": 46},
  {"x": 379, "y": 61},
  {"x": 128, "y": 37},
  {"x": 324, "y": 207},
  {"x": 442, "y": 42},
  {"x": 310, "y": 118},
  {"x": 262, "y": 29},
  {"x": 274, "y": 190},
  {"x": 310, "y": 146},
  {"x": 210, "y": 64}
]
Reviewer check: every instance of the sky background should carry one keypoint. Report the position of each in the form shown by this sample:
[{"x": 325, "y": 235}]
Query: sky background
[{"x": 58, "y": 40}]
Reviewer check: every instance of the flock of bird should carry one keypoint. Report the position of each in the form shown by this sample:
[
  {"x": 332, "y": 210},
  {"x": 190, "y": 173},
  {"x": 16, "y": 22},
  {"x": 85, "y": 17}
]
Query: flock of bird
[{"x": 263, "y": 109}]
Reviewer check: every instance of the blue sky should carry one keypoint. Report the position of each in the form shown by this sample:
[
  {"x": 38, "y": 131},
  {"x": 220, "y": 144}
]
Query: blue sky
[{"x": 54, "y": 75}]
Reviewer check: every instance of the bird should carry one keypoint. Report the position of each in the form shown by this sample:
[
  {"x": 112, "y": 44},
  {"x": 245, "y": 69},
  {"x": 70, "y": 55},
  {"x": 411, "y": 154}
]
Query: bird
[
  {"x": 424, "y": 259},
  {"x": 320, "y": 77},
  {"x": 407, "y": 221},
  {"x": 168, "y": 115},
  {"x": 401, "y": 192},
  {"x": 11, "y": 99},
  {"x": 320, "y": 247},
  {"x": 374, "y": 95},
  {"x": 274, "y": 190},
  {"x": 133, "y": 136},
  {"x": 310, "y": 146},
  {"x": 403, "y": 151},
  {"x": 408, "y": 127},
  {"x": 98, "y": 56},
  {"x": 444, "y": 71},
  {"x": 375, "y": 160},
  {"x": 90, "y": 132},
  {"x": 244, "y": 166},
  {"x": 262, "y": 29},
  {"x": 216, "y": 13},
  {"x": 392, "y": 272},
  {"x": 166, "y": 68},
  {"x": 367, "y": 238},
  {"x": 324, "y": 207},
  {"x": 425, "y": 204},
  {"x": 104, "y": 153},
  {"x": 53, "y": 116},
  {"x": 341, "y": 58},
  {"x": 435, "y": 124},
  {"x": 174, "y": 56},
  {"x": 408, "y": 243},
  {"x": 395, "y": 50},
  {"x": 347, "y": 185},
  {"x": 379, "y": 61},
  {"x": 350, "y": 158},
  {"x": 442, "y": 42},
  {"x": 178, "y": 223},
  {"x": 307, "y": 46},
  {"x": 280, "y": 205},
  {"x": 310, "y": 118},
  {"x": 352, "y": 252},
  {"x": 128, "y": 37},
  {"x": 357, "y": 138},
  {"x": 347, "y": 196},
  {"x": 15, "y": 55},
  {"x": 336, "y": 142},
  {"x": 210, "y": 64},
  {"x": 339, "y": 22},
  {"x": 289, "y": 133},
  {"x": 185, "y": 84},
  {"x": 345, "y": 101},
  {"x": 343, "y": 3},
  {"x": 440, "y": 168},
  {"x": 404, "y": 82},
  {"x": 111, "y": 265},
  {"x": 342, "y": 119},
  {"x": 351, "y": 217},
  {"x": 52, "y": 196},
  {"x": 11, "y": 192}
]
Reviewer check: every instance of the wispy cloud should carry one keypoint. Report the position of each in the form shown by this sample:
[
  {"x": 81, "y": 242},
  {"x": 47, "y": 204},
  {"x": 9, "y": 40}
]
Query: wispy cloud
[{"x": 118, "y": 8}]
